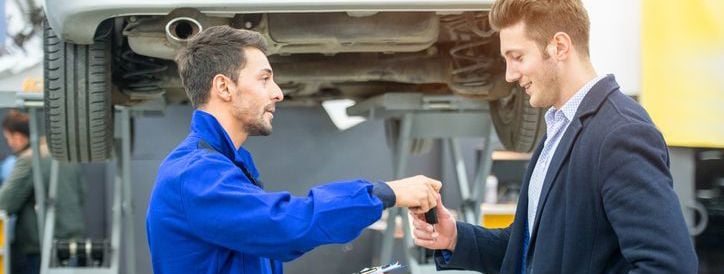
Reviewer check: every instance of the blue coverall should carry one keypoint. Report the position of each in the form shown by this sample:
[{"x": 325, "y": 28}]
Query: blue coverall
[{"x": 208, "y": 212}]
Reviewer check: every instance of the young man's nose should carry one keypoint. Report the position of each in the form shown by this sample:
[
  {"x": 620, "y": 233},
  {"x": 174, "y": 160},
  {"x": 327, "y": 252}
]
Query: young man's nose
[{"x": 511, "y": 74}]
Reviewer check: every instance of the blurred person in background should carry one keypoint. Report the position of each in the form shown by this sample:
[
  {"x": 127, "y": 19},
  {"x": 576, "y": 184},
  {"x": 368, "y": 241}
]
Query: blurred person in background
[{"x": 17, "y": 196}]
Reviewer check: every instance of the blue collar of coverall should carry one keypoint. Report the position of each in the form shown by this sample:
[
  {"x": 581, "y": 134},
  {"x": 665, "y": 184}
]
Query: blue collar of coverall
[{"x": 205, "y": 126}]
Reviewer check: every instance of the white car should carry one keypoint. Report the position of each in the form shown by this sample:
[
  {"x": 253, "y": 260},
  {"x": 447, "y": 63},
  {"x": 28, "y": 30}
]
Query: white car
[{"x": 104, "y": 53}]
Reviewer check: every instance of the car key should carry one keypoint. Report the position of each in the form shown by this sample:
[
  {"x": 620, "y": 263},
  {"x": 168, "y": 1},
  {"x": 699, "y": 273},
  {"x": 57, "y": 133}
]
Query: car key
[{"x": 431, "y": 216}]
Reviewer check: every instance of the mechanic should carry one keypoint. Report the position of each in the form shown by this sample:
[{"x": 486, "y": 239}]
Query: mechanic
[
  {"x": 17, "y": 196},
  {"x": 209, "y": 213}
]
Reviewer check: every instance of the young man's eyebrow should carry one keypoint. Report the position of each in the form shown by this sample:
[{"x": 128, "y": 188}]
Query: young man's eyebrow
[{"x": 510, "y": 51}]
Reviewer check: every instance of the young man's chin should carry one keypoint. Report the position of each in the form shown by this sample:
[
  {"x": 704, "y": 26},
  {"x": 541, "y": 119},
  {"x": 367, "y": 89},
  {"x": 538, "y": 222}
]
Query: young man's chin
[{"x": 534, "y": 103}]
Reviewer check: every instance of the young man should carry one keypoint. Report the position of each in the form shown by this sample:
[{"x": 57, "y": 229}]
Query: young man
[
  {"x": 17, "y": 196},
  {"x": 208, "y": 211},
  {"x": 597, "y": 196}
]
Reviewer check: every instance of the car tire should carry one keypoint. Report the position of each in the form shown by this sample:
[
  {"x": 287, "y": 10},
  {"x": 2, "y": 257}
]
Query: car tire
[
  {"x": 519, "y": 125},
  {"x": 78, "y": 109}
]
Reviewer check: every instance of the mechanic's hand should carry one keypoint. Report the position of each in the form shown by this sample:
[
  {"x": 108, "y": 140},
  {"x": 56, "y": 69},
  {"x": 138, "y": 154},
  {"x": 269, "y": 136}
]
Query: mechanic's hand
[
  {"x": 443, "y": 236},
  {"x": 419, "y": 193}
]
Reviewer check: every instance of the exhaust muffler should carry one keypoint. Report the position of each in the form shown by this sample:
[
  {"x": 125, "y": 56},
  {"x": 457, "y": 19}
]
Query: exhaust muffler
[{"x": 180, "y": 29}]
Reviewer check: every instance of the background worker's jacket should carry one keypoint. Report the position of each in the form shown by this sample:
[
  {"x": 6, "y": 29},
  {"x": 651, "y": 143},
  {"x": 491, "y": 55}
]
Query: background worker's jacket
[
  {"x": 17, "y": 196},
  {"x": 209, "y": 214}
]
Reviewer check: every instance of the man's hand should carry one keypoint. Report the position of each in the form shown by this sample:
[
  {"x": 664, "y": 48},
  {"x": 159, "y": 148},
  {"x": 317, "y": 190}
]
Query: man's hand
[
  {"x": 418, "y": 193},
  {"x": 443, "y": 236}
]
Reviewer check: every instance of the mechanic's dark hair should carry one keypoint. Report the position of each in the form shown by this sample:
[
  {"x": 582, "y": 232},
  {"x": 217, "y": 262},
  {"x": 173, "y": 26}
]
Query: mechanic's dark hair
[
  {"x": 543, "y": 19},
  {"x": 216, "y": 50},
  {"x": 17, "y": 122}
]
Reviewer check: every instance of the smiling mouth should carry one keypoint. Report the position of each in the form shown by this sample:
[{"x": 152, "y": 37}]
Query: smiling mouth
[
  {"x": 526, "y": 86},
  {"x": 271, "y": 112}
]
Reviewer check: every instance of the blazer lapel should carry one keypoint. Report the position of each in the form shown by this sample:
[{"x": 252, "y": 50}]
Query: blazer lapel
[{"x": 564, "y": 148}]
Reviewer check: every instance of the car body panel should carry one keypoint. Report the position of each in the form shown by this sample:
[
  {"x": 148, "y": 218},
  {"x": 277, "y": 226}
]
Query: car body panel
[{"x": 76, "y": 21}]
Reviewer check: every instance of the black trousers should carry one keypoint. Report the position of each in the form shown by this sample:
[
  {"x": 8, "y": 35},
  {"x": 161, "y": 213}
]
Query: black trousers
[{"x": 24, "y": 263}]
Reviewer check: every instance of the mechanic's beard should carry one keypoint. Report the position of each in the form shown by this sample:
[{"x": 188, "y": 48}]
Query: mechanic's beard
[{"x": 259, "y": 128}]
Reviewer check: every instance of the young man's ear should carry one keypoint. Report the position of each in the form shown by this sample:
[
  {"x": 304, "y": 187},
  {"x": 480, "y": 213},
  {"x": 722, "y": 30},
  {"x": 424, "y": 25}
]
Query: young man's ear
[
  {"x": 560, "y": 46},
  {"x": 220, "y": 87}
]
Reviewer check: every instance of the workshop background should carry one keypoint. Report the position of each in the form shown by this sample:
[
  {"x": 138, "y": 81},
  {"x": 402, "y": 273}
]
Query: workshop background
[{"x": 667, "y": 54}]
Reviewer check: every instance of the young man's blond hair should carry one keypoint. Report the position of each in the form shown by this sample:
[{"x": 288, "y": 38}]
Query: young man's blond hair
[{"x": 543, "y": 19}]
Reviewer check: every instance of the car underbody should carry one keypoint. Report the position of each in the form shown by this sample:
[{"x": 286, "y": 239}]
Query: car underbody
[
  {"x": 323, "y": 56},
  {"x": 316, "y": 56}
]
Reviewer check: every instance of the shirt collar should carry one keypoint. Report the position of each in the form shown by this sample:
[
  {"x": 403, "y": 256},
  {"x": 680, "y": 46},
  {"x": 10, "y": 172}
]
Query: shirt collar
[
  {"x": 568, "y": 110},
  {"x": 205, "y": 126},
  {"x": 26, "y": 147}
]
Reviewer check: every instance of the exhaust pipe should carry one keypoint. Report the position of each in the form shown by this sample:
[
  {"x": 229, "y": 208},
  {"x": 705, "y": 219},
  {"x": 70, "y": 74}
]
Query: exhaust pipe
[{"x": 180, "y": 29}]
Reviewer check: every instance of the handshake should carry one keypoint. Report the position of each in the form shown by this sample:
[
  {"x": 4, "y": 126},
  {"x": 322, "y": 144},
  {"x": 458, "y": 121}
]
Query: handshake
[{"x": 418, "y": 193}]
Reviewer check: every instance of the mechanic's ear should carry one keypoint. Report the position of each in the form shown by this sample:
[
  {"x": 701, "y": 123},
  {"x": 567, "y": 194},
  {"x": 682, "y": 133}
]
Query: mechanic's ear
[
  {"x": 225, "y": 95},
  {"x": 220, "y": 87}
]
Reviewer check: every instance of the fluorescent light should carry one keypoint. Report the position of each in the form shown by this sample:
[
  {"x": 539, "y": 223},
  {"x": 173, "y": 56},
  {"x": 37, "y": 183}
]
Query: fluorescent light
[{"x": 337, "y": 111}]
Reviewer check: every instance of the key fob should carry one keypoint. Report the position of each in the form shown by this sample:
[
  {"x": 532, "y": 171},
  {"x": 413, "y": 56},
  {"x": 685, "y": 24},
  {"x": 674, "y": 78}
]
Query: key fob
[{"x": 431, "y": 216}]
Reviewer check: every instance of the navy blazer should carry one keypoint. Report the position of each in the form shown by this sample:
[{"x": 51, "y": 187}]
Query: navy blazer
[{"x": 607, "y": 204}]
